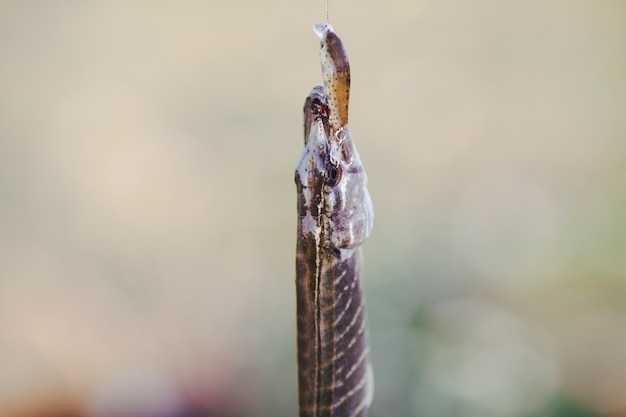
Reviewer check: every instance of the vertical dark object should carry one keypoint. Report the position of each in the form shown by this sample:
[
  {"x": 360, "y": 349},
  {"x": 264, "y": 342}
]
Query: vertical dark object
[{"x": 335, "y": 216}]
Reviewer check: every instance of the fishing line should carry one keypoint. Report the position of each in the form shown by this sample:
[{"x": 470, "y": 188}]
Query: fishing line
[{"x": 327, "y": 21}]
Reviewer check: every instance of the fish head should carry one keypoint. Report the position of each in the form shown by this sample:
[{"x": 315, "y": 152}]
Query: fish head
[{"x": 331, "y": 180}]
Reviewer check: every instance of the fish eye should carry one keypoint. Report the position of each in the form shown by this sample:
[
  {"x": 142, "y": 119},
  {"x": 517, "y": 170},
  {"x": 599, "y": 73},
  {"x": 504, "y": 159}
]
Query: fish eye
[
  {"x": 319, "y": 108},
  {"x": 333, "y": 174}
]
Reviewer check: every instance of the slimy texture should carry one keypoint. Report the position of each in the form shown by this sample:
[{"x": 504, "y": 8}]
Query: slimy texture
[{"x": 335, "y": 217}]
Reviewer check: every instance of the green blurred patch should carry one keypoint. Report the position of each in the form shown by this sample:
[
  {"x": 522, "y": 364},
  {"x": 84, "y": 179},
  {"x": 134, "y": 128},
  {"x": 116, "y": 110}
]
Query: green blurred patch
[{"x": 564, "y": 405}]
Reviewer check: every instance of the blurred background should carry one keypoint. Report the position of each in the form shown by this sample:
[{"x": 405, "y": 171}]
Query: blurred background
[{"x": 147, "y": 204}]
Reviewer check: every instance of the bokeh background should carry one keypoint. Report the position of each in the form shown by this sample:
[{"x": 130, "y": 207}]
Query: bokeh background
[{"x": 147, "y": 204}]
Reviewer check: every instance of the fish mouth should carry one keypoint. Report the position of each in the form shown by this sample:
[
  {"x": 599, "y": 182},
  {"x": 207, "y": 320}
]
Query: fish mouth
[{"x": 316, "y": 112}]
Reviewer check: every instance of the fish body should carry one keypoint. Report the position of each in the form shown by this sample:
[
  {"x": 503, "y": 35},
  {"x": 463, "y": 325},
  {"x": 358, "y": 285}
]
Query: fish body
[{"x": 335, "y": 216}]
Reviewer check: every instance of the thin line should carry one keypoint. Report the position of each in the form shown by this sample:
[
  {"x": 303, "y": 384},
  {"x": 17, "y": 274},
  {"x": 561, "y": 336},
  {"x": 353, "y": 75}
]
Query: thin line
[
  {"x": 358, "y": 363},
  {"x": 357, "y": 316},
  {"x": 349, "y": 393},
  {"x": 327, "y": 12}
]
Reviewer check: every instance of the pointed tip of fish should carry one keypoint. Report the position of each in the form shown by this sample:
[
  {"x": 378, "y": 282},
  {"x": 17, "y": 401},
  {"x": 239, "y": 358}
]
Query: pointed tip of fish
[
  {"x": 322, "y": 28},
  {"x": 318, "y": 89}
]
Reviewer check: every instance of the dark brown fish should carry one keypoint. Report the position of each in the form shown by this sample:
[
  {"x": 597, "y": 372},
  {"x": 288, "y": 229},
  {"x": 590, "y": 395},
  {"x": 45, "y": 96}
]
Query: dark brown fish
[{"x": 335, "y": 216}]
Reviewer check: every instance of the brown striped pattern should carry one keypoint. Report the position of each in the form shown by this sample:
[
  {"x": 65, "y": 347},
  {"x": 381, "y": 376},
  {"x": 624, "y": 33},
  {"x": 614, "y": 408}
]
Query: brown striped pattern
[
  {"x": 335, "y": 217},
  {"x": 333, "y": 350}
]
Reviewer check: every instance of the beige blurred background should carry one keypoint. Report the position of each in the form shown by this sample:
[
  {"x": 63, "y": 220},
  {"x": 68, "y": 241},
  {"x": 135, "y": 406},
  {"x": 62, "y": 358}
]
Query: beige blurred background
[{"x": 147, "y": 204}]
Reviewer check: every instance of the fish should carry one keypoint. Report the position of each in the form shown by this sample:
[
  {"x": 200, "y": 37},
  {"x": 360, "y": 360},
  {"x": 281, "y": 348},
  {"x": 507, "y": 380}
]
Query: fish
[{"x": 335, "y": 217}]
